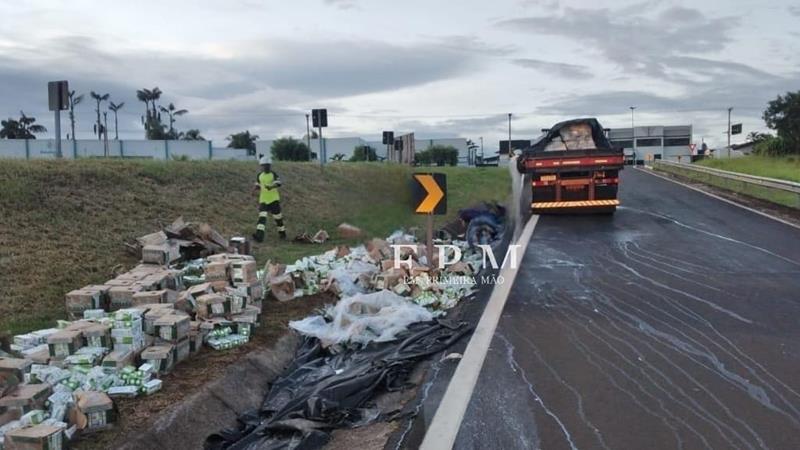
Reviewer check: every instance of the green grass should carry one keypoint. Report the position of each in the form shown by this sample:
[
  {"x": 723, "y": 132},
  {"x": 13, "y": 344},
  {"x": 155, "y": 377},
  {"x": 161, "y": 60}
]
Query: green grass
[
  {"x": 776, "y": 196},
  {"x": 785, "y": 168},
  {"x": 63, "y": 224}
]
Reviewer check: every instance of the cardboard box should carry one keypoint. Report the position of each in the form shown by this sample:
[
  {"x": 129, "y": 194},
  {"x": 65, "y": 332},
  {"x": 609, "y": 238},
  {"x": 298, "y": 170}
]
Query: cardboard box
[
  {"x": 120, "y": 281},
  {"x": 161, "y": 357},
  {"x": 244, "y": 272},
  {"x": 121, "y": 297},
  {"x": 37, "y": 437},
  {"x": 118, "y": 359},
  {"x": 153, "y": 314},
  {"x": 26, "y": 397},
  {"x": 64, "y": 343},
  {"x": 94, "y": 411},
  {"x": 217, "y": 271},
  {"x": 13, "y": 369},
  {"x": 150, "y": 297},
  {"x": 89, "y": 297},
  {"x": 211, "y": 305},
  {"x": 181, "y": 350},
  {"x": 172, "y": 327},
  {"x": 195, "y": 341},
  {"x": 239, "y": 245},
  {"x": 98, "y": 335},
  {"x": 161, "y": 254}
]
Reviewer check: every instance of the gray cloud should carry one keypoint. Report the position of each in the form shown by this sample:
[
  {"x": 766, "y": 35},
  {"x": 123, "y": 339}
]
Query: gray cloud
[
  {"x": 664, "y": 44},
  {"x": 794, "y": 10},
  {"x": 221, "y": 93},
  {"x": 342, "y": 4},
  {"x": 564, "y": 70},
  {"x": 624, "y": 36}
]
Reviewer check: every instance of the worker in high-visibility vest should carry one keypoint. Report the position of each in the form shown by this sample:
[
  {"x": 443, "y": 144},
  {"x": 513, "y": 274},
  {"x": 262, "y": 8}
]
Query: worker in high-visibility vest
[{"x": 269, "y": 200}]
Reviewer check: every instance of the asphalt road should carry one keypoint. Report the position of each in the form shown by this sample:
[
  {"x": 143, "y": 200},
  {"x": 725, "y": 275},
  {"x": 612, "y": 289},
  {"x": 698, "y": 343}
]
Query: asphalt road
[{"x": 673, "y": 324}]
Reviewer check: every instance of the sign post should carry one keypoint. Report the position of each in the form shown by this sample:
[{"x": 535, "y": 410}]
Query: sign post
[
  {"x": 319, "y": 117},
  {"x": 388, "y": 141},
  {"x": 430, "y": 198},
  {"x": 58, "y": 99}
]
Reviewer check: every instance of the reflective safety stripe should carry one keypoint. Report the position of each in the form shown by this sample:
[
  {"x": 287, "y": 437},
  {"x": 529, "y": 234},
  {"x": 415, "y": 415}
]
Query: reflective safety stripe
[
  {"x": 574, "y": 204},
  {"x": 278, "y": 216},
  {"x": 261, "y": 227},
  {"x": 263, "y": 214}
]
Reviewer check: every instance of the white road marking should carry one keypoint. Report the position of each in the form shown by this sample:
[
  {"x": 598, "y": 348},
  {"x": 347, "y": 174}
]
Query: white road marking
[
  {"x": 760, "y": 213},
  {"x": 442, "y": 432}
]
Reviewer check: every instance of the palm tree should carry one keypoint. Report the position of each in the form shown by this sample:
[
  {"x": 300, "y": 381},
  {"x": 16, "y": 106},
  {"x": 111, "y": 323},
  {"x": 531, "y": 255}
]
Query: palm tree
[
  {"x": 191, "y": 135},
  {"x": 243, "y": 139},
  {"x": 73, "y": 100},
  {"x": 115, "y": 107},
  {"x": 172, "y": 112},
  {"x": 99, "y": 99},
  {"x": 24, "y": 128},
  {"x": 155, "y": 95}
]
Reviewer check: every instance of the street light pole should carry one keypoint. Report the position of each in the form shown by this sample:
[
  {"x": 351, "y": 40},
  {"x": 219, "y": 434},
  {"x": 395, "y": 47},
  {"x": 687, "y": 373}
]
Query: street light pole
[
  {"x": 509, "y": 135},
  {"x": 308, "y": 138},
  {"x": 729, "y": 132},
  {"x": 633, "y": 135},
  {"x": 481, "y": 148}
]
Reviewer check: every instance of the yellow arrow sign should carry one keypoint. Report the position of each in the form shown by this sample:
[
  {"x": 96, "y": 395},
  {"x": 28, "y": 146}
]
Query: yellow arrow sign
[{"x": 435, "y": 193}]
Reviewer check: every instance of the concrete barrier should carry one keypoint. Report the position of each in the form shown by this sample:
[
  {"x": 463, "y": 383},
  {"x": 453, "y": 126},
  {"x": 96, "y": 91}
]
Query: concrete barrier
[{"x": 782, "y": 192}]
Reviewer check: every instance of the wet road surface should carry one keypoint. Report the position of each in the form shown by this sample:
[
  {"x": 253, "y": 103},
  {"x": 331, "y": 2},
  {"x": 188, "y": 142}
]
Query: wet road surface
[{"x": 674, "y": 324}]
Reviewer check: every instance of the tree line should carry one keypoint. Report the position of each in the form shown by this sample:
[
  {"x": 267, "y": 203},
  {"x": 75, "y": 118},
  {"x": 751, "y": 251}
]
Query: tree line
[
  {"x": 158, "y": 121},
  {"x": 291, "y": 149}
]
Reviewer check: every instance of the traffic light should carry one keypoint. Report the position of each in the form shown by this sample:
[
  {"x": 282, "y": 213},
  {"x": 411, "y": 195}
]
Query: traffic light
[{"x": 388, "y": 137}]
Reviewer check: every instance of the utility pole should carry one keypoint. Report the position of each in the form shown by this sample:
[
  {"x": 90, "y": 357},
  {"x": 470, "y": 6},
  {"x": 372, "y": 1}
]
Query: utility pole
[
  {"x": 729, "y": 131},
  {"x": 308, "y": 137},
  {"x": 509, "y": 135},
  {"x": 633, "y": 135},
  {"x": 105, "y": 133},
  {"x": 481, "y": 148}
]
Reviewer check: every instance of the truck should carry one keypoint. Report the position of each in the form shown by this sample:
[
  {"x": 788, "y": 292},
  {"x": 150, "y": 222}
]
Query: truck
[{"x": 573, "y": 168}]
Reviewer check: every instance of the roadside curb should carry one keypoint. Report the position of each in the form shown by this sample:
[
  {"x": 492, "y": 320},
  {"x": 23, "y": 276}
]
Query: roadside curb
[{"x": 443, "y": 430}]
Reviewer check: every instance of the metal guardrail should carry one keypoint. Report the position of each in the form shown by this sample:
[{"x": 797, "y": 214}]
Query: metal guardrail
[{"x": 788, "y": 186}]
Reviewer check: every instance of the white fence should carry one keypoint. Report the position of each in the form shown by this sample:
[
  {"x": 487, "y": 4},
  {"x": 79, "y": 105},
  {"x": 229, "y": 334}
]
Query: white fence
[{"x": 86, "y": 148}]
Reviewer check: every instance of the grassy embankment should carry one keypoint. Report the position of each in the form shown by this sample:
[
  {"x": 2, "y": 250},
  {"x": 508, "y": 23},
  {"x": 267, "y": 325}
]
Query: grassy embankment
[
  {"x": 787, "y": 168},
  {"x": 63, "y": 224},
  {"x": 781, "y": 168}
]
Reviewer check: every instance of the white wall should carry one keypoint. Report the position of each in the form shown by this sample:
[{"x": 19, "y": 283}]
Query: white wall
[{"x": 92, "y": 148}]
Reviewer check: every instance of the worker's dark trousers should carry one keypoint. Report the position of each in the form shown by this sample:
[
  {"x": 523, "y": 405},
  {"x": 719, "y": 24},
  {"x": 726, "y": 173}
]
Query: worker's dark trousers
[{"x": 265, "y": 209}]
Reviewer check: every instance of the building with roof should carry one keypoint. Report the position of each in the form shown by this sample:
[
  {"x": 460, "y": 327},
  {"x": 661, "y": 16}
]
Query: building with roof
[{"x": 671, "y": 143}]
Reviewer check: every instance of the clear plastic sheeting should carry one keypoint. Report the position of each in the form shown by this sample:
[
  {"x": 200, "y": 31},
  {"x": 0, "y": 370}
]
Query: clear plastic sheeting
[{"x": 364, "y": 318}]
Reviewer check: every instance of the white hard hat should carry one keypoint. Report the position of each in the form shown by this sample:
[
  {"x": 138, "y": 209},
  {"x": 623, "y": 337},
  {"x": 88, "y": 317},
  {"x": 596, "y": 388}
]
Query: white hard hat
[{"x": 265, "y": 159}]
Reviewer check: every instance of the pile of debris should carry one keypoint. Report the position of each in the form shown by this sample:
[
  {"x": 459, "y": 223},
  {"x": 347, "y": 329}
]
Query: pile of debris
[
  {"x": 372, "y": 267},
  {"x": 125, "y": 333}
]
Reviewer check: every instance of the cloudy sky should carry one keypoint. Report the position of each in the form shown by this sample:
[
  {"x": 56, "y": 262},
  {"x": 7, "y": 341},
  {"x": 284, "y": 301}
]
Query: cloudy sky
[{"x": 435, "y": 67}]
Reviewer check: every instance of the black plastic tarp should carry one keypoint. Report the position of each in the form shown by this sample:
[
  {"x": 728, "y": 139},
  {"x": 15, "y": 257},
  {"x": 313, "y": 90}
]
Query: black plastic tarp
[
  {"x": 323, "y": 390},
  {"x": 601, "y": 142}
]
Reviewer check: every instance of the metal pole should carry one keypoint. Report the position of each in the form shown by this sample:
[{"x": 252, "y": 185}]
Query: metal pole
[
  {"x": 481, "y": 147},
  {"x": 729, "y": 132},
  {"x": 308, "y": 137},
  {"x": 58, "y": 133},
  {"x": 430, "y": 241},
  {"x": 321, "y": 156},
  {"x": 633, "y": 136},
  {"x": 509, "y": 135},
  {"x": 105, "y": 133}
]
